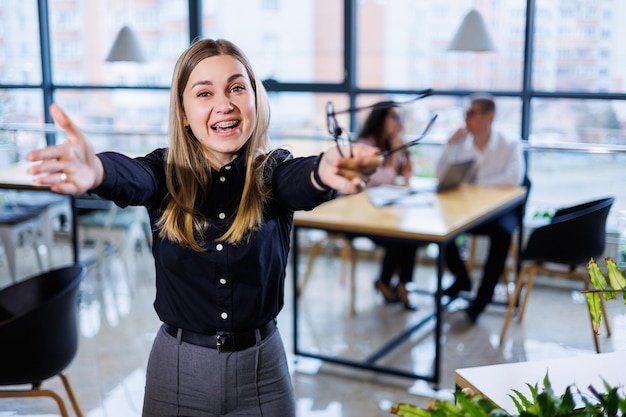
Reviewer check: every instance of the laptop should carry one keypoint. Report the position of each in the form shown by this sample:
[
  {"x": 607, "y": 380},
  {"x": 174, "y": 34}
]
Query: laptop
[{"x": 454, "y": 175}]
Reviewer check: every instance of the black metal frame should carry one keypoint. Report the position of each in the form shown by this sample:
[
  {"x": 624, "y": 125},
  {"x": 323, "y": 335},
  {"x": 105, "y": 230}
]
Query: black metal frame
[
  {"x": 347, "y": 86},
  {"x": 369, "y": 363}
]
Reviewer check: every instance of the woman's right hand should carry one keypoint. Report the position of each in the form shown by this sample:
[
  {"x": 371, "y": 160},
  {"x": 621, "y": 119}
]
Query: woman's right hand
[{"x": 71, "y": 167}]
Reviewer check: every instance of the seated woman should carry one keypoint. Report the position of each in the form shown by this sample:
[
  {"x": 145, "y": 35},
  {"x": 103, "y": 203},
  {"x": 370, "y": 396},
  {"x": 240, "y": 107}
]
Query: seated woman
[{"x": 382, "y": 129}]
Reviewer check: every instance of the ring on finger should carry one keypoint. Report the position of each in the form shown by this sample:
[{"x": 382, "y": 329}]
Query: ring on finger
[{"x": 63, "y": 177}]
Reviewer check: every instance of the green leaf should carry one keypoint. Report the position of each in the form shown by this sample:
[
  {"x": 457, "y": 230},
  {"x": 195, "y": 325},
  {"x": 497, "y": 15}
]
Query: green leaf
[
  {"x": 597, "y": 279},
  {"x": 567, "y": 403},
  {"x": 524, "y": 402},
  {"x": 595, "y": 309},
  {"x": 616, "y": 278}
]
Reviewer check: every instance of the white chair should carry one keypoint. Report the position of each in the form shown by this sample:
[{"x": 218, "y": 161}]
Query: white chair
[
  {"x": 20, "y": 225},
  {"x": 348, "y": 253},
  {"x": 54, "y": 208},
  {"x": 116, "y": 230}
]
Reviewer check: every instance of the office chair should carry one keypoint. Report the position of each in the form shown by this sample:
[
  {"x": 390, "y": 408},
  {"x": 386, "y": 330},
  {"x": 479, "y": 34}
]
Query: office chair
[
  {"x": 574, "y": 236},
  {"x": 39, "y": 333}
]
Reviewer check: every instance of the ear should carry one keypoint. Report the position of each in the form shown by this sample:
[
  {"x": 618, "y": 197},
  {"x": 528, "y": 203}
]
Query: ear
[{"x": 183, "y": 116}]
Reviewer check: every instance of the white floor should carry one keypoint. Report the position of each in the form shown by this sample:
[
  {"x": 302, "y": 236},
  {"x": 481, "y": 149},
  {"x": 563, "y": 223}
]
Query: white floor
[{"x": 117, "y": 325}]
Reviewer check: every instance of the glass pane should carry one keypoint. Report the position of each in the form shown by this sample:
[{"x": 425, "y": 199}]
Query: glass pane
[
  {"x": 21, "y": 124},
  {"x": 289, "y": 41},
  {"x": 578, "y": 46},
  {"x": 402, "y": 44},
  {"x": 561, "y": 178},
  {"x": 79, "y": 51},
  {"x": 569, "y": 122},
  {"x": 132, "y": 122},
  {"x": 20, "y": 61},
  {"x": 301, "y": 117},
  {"x": 22, "y": 106}
]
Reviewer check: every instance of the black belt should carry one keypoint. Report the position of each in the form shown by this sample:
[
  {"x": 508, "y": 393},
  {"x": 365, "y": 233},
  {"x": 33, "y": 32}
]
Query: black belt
[{"x": 222, "y": 341}]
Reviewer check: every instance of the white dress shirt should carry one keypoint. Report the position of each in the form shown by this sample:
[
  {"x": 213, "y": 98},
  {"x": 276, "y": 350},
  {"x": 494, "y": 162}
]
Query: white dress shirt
[{"x": 501, "y": 162}]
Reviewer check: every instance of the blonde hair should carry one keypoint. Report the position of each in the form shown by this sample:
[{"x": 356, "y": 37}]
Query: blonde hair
[{"x": 188, "y": 172}]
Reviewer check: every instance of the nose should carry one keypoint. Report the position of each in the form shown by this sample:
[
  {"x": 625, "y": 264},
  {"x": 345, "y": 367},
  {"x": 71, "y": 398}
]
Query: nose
[{"x": 224, "y": 105}]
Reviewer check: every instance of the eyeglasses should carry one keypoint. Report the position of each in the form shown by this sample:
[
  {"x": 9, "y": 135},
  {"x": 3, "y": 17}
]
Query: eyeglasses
[
  {"x": 337, "y": 131},
  {"x": 473, "y": 112},
  {"x": 342, "y": 137},
  {"x": 414, "y": 141}
]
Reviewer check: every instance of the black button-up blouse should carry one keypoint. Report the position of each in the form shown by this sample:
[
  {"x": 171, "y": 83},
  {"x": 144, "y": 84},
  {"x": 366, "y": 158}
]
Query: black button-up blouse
[{"x": 227, "y": 287}]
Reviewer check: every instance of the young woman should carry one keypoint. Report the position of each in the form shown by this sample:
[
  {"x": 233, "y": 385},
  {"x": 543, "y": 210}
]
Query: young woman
[
  {"x": 383, "y": 129},
  {"x": 221, "y": 207}
]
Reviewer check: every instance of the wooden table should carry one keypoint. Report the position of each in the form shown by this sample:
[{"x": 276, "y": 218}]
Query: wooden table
[
  {"x": 497, "y": 382},
  {"x": 450, "y": 214}
]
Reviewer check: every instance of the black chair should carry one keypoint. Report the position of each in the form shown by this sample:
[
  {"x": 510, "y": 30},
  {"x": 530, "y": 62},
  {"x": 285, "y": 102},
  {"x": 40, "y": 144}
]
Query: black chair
[
  {"x": 39, "y": 333},
  {"x": 574, "y": 236}
]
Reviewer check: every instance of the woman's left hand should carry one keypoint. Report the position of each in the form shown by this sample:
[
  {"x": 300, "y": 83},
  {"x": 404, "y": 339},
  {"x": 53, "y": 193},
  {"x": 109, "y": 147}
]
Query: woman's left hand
[{"x": 349, "y": 175}]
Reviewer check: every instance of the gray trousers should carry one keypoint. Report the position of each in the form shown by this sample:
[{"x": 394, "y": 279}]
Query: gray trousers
[{"x": 187, "y": 380}]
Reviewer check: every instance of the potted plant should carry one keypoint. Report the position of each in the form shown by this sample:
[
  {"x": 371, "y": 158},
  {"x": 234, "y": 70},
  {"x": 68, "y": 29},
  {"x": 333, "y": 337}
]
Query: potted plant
[{"x": 543, "y": 402}]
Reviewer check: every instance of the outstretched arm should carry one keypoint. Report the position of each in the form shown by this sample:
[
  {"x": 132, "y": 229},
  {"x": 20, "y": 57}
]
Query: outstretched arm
[
  {"x": 71, "y": 167},
  {"x": 348, "y": 175}
]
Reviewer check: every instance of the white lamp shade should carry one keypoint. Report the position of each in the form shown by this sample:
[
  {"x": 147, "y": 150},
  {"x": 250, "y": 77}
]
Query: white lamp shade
[
  {"x": 126, "y": 47},
  {"x": 472, "y": 35}
]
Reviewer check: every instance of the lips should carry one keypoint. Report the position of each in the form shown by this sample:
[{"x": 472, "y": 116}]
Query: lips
[{"x": 225, "y": 125}]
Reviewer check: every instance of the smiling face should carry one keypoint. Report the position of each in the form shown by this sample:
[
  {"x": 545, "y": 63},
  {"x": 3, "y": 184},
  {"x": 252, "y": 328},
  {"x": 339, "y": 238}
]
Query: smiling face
[{"x": 219, "y": 106}]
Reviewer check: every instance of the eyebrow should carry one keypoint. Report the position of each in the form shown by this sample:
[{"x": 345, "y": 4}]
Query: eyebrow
[{"x": 207, "y": 82}]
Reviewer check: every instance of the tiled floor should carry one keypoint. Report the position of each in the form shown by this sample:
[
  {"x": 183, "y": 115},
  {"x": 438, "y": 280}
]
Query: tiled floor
[{"x": 117, "y": 325}]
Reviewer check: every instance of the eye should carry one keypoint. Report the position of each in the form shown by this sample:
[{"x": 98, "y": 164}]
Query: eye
[
  {"x": 238, "y": 88},
  {"x": 203, "y": 94}
]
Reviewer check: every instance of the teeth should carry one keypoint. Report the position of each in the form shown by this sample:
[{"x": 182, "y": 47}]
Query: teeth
[{"x": 225, "y": 125}]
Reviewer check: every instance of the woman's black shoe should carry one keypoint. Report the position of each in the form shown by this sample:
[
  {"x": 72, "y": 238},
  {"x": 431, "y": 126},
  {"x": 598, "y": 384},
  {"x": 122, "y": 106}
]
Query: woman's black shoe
[
  {"x": 404, "y": 297},
  {"x": 388, "y": 294}
]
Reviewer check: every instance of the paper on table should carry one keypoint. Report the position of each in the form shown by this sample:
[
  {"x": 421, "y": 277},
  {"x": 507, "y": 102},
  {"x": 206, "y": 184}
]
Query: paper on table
[{"x": 399, "y": 196}]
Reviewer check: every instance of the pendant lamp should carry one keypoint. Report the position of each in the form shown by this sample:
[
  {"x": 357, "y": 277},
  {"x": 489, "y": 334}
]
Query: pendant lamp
[
  {"x": 126, "y": 47},
  {"x": 472, "y": 35}
]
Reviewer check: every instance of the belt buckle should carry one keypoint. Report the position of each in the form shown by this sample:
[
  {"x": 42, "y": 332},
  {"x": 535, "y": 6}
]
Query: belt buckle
[{"x": 218, "y": 343}]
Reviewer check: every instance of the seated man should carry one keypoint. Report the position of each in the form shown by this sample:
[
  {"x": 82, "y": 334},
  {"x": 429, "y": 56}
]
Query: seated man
[{"x": 498, "y": 162}]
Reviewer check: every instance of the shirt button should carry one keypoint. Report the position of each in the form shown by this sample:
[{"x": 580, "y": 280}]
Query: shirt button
[
  {"x": 219, "y": 246},
  {"x": 222, "y": 216},
  {"x": 224, "y": 316},
  {"x": 222, "y": 178},
  {"x": 227, "y": 167},
  {"x": 223, "y": 281}
]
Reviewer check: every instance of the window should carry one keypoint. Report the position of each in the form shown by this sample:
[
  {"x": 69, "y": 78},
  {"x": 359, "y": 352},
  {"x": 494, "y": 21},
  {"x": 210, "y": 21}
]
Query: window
[
  {"x": 403, "y": 45},
  {"x": 576, "y": 96},
  {"x": 78, "y": 56},
  {"x": 306, "y": 37},
  {"x": 20, "y": 61},
  {"x": 580, "y": 52}
]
